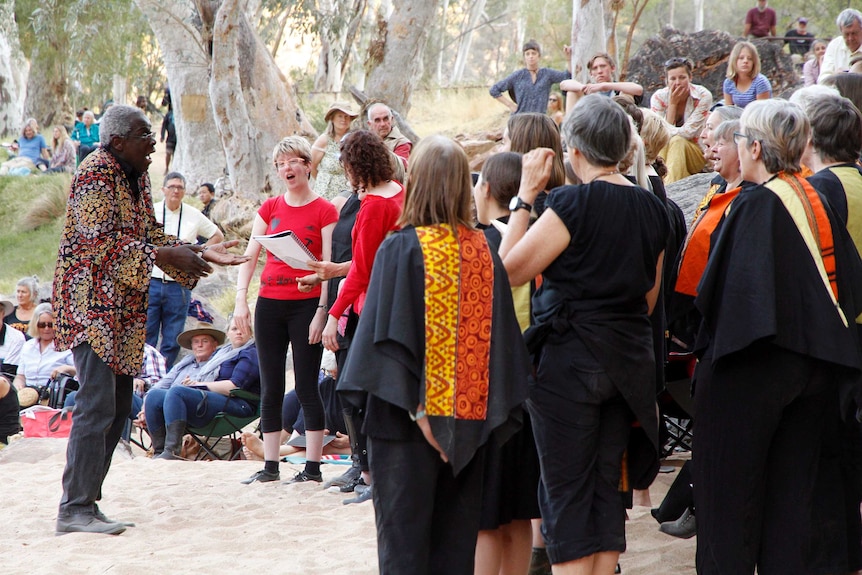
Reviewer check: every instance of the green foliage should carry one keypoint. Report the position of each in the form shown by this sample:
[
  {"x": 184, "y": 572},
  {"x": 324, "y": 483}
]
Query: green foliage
[{"x": 27, "y": 252}]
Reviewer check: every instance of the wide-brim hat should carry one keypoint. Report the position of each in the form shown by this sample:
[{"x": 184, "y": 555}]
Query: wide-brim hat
[
  {"x": 8, "y": 306},
  {"x": 202, "y": 328},
  {"x": 340, "y": 107},
  {"x": 27, "y": 397}
]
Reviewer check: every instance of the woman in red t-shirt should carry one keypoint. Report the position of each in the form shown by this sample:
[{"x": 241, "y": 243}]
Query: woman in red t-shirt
[{"x": 284, "y": 314}]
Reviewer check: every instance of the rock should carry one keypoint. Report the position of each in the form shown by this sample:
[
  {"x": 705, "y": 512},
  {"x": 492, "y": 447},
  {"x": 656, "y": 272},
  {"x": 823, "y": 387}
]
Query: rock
[
  {"x": 709, "y": 50},
  {"x": 688, "y": 192}
]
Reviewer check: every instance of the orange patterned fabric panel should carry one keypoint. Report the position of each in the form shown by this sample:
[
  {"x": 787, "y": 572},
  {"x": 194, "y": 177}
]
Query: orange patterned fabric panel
[{"x": 459, "y": 282}]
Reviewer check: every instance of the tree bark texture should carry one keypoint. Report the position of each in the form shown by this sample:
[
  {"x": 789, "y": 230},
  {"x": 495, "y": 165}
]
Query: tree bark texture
[
  {"x": 395, "y": 76},
  {"x": 46, "y": 91},
  {"x": 13, "y": 73},
  {"x": 588, "y": 35}
]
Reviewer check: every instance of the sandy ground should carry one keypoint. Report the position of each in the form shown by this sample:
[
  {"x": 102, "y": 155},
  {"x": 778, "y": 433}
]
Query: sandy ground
[{"x": 196, "y": 518}]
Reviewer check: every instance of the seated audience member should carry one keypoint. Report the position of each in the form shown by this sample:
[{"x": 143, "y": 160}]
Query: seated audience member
[
  {"x": 197, "y": 399},
  {"x": 556, "y": 107},
  {"x": 11, "y": 343},
  {"x": 206, "y": 194},
  {"x": 811, "y": 68},
  {"x": 603, "y": 81},
  {"x": 27, "y": 295},
  {"x": 326, "y": 169},
  {"x": 87, "y": 135},
  {"x": 32, "y": 152},
  {"x": 744, "y": 82},
  {"x": 40, "y": 362},
  {"x": 9, "y": 420},
  {"x": 848, "y": 85},
  {"x": 293, "y": 419},
  {"x": 842, "y": 48},
  {"x": 63, "y": 156},
  {"x": 684, "y": 106}
]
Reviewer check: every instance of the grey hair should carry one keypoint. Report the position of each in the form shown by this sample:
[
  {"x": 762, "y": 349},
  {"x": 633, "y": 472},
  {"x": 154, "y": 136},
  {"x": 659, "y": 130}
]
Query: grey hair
[
  {"x": 88, "y": 113},
  {"x": 33, "y": 329},
  {"x": 728, "y": 112},
  {"x": 175, "y": 176},
  {"x": 32, "y": 284},
  {"x": 600, "y": 129},
  {"x": 781, "y": 128},
  {"x": 803, "y": 97},
  {"x": 847, "y": 17},
  {"x": 117, "y": 121},
  {"x": 726, "y": 129},
  {"x": 374, "y": 105}
]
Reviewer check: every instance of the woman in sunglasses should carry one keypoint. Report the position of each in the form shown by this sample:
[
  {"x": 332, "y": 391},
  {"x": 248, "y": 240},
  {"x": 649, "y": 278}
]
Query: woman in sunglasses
[{"x": 39, "y": 361}]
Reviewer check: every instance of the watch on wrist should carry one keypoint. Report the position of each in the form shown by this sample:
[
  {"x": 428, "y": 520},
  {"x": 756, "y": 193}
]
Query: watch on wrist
[{"x": 517, "y": 203}]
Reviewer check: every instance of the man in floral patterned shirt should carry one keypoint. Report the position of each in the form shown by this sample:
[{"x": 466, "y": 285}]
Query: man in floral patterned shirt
[{"x": 108, "y": 248}]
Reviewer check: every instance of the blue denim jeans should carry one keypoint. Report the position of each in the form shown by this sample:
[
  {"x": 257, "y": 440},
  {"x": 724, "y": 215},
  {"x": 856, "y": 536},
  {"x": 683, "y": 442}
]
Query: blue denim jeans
[
  {"x": 166, "y": 313},
  {"x": 181, "y": 403},
  {"x": 137, "y": 404},
  {"x": 103, "y": 403}
]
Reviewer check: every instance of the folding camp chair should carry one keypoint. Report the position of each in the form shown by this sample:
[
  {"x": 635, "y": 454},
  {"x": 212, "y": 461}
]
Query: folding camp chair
[
  {"x": 224, "y": 426},
  {"x": 675, "y": 404}
]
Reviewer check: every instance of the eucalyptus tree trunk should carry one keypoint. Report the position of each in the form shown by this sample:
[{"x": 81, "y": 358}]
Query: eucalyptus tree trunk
[
  {"x": 588, "y": 35},
  {"x": 477, "y": 8},
  {"x": 698, "y": 15},
  {"x": 231, "y": 103},
  {"x": 13, "y": 73},
  {"x": 393, "y": 77}
]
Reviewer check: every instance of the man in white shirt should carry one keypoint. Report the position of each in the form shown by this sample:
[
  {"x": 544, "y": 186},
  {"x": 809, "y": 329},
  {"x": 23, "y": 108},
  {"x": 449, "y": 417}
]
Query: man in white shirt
[
  {"x": 841, "y": 49},
  {"x": 169, "y": 301}
]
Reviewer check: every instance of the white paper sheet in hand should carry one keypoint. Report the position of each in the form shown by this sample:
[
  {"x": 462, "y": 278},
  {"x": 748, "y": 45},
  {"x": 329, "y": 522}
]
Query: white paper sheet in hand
[{"x": 287, "y": 247}]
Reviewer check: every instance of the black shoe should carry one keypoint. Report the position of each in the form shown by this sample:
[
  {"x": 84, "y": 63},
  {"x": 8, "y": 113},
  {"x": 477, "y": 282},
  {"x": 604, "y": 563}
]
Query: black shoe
[
  {"x": 363, "y": 493},
  {"x": 351, "y": 487},
  {"x": 304, "y": 476},
  {"x": 262, "y": 476},
  {"x": 346, "y": 478},
  {"x": 539, "y": 562},
  {"x": 618, "y": 569},
  {"x": 685, "y": 527},
  {"x": 86, "y": 524},
  {"x": 101, "y": 517}
]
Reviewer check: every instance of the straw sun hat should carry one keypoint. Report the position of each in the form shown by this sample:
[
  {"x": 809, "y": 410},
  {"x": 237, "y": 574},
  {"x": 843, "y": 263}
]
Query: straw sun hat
[
  {"x": 339, "y": 107},
  {"x": 202, "y": 328}
]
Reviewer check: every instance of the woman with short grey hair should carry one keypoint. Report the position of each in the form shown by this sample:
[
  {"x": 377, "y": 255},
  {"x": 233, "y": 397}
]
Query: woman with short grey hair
[
  {"x": 27, "y": 296},
  {"x": 778, "y": 347},
  {"x": 593, "y": 339}
]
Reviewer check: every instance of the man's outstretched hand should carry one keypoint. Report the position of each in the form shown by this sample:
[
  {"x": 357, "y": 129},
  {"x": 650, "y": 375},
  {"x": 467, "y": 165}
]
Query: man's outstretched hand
[{"x": 219, "y": 254}]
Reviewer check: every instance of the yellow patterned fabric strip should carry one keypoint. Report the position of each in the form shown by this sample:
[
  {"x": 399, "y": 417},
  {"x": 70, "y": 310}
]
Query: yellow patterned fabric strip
[{"x": 459, "y": 280}]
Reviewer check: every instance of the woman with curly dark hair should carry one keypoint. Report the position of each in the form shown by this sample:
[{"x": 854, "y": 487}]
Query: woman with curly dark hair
[{"x": 369, "y": 171}]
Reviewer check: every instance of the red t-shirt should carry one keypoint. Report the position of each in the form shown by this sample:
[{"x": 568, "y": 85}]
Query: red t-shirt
[
  {"x": 278, "y": 280},
  {"x": 761, "y": 22},
  {"x": 376, "y": 218}
]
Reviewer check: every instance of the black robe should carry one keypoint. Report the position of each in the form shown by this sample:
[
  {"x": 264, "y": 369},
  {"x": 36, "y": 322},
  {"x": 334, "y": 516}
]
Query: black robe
[{"x": 387, "y": 356}]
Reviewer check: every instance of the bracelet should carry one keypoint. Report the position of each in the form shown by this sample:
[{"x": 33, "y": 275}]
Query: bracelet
[
  {"x": 204, "y": 250},
  {"x": 321, "y": 307}
]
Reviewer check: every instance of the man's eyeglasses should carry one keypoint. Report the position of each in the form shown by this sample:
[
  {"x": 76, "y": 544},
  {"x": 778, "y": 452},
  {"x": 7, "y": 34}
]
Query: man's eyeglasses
[
  {"x": 147, "y": 136},
  {"x": 175, "y": 188},
  {"x": 293, "y": 163},
  {"x": 44, "y": 324}
]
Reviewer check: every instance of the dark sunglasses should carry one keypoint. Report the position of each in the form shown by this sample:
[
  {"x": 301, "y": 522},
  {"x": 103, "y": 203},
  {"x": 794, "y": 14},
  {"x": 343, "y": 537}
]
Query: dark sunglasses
[
  {"x": 44, "y": 324},
  {"x": 677, "y": 62}
]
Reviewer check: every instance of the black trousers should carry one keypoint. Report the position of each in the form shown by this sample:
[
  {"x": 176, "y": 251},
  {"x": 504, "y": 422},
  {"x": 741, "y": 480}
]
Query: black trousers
[
  {"x": 427, "y": 519},
  {"x": 763, "y": 415}
]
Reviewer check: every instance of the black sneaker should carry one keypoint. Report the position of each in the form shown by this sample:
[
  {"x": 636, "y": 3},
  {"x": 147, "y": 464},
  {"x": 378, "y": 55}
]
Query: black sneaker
[
  {"x": 346, "y": 478},
  {"x": 351, "y": 487},
  {"x": 262, "y": 476},
  {"x": 304, "y": 476}
]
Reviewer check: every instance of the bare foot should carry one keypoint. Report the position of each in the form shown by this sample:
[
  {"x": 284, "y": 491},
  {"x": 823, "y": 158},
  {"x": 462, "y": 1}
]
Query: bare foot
[{"x": 252, "y": 446}]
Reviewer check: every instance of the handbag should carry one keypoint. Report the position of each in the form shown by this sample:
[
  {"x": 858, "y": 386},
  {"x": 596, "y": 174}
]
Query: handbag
[
  {"x": 43, "y": 421},
  {"x": 58, "y": 388}
]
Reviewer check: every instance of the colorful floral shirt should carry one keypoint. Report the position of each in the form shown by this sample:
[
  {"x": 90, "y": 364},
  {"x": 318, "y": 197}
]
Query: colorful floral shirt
[{"x": 107, "y": 252}]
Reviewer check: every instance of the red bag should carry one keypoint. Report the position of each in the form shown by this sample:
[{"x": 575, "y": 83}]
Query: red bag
[{"x": 42, "y": 421}]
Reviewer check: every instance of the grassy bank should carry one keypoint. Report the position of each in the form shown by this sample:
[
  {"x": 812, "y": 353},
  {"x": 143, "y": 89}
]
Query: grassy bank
[{"x": 30, "y": 226}]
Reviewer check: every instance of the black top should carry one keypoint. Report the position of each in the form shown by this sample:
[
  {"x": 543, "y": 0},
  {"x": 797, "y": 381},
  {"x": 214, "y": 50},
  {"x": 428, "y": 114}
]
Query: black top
[
  {"x": 829, "y": 184},
  {"x": 800, "y": 43},
  {"x": 9, "y": 420}
]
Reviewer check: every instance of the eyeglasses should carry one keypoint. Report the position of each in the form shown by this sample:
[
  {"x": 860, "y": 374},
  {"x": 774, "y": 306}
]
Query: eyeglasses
[
  {"x": 740, "y": 136},
  {"x": 677, "y": 62},
  {"x": 147, "y": 136},
  {"x": 293, "y": 163},
  {"x": 553, "y": 100},
  {"x": 44, "y": 324},
  {"x": 175, "y": 188}
]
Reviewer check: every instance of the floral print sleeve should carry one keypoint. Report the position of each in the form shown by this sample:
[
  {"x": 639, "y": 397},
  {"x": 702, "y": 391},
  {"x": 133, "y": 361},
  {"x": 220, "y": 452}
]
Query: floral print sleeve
[{"x": 107, "y": 251}]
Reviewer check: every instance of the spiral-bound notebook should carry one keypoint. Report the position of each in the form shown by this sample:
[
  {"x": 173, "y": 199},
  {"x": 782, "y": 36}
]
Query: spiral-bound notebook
[{"x": 287, "y": 247}]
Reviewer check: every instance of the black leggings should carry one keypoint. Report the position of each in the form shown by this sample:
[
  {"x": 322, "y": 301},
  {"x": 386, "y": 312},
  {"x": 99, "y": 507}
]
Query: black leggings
[{"x": 277, "y": 324}]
